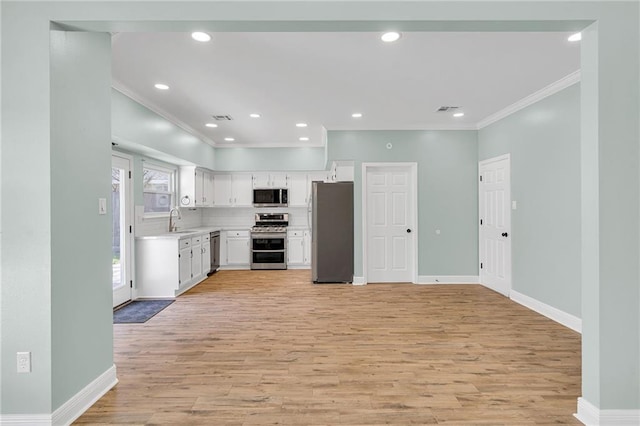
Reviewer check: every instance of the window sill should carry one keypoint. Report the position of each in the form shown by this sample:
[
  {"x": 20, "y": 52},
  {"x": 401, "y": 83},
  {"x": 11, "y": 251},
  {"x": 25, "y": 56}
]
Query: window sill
[{"x": 155, "y": 215}]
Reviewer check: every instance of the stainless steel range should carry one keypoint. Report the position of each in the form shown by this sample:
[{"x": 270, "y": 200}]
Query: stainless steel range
[{"x": 269, "y": 241}]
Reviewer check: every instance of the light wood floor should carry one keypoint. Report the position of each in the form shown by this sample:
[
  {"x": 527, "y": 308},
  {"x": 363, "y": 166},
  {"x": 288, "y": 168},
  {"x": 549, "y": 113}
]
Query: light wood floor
[{"x": 250, "y": 347}]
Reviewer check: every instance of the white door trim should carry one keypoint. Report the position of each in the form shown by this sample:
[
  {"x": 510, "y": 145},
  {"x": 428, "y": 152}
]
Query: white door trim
[
  {"x": 129, "y": 241},
  {"x": 413, "y": 172},
  {"x": 480, "y": 165}
]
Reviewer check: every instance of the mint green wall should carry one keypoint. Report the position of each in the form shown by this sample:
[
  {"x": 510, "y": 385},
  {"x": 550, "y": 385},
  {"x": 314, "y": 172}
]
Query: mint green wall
[
  {"x": 544, "y": 142},
  {"x": 82, "y": 334},
  {"x": 447, "y": 191},
  {"x": 25, "y": 314},
  {"x": 609, "y": 157},
  {"x": 239, "y": 159},
  {"x": 136, "y": 128}
]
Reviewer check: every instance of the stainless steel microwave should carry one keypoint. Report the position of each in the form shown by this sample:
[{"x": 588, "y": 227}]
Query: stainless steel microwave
[{"x": 271, "y": 197}]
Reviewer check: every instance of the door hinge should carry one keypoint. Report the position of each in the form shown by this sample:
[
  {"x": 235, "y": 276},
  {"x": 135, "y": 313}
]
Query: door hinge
[
  {"x": 480, "y": 221},
  {"x": 130, "y": 283},
  {"x": 129, "y": 174},
  {"x": 130, "y": 229},
  {"x": 480, "y": 265},
  {"x": 480, "y": 178}
]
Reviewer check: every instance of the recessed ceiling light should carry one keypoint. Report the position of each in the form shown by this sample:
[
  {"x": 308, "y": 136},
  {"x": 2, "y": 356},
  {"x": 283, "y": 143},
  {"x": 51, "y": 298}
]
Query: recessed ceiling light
[
  {"x": 459, "y": 114},
  {"x": 301, "y": 124},
  {"x": 229, "y": 139},
  {"x": 254, "y": 115},
  {"x": 161, "y": 86},
  {"x": 575, "y": 37},
  {"x": 200, "y": 36},
  {"x": 390, "y": 36},
  {"x": 303, "y": 139},
  {"x": 211, "y": 125},
  {"x": 356, "y": 115}
]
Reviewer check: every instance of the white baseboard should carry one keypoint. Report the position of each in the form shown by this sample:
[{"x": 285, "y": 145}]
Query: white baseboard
[
  {"x": 448, "y": 279},
  {"x": 25, "y": 420},
  {"x": 359, "y": 281},
  {"x": 70, "y": 410},
  {"x": 591, "y": 415},
  {"x": 80, "y": 402},
  {"x": 548, "y": 311}
]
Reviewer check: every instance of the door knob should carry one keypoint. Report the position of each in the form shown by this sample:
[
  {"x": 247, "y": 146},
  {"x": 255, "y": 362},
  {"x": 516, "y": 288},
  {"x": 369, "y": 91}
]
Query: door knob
[
  {"x": 408, "y": 231},
  {"x": 505, "y": 234}
]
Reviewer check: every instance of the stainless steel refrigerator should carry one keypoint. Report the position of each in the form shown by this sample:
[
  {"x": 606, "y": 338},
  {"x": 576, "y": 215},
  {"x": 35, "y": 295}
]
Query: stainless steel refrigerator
[{"x": 332, "y": 232}]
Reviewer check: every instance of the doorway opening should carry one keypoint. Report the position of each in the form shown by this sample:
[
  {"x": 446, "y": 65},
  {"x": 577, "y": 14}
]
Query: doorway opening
[{"x": 122, "y": 231}]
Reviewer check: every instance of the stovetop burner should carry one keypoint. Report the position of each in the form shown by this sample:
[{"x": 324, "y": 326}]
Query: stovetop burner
[{"x": 268, "y": 228}]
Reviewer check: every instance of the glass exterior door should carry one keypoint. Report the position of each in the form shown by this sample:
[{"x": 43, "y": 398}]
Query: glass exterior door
[{"x": 121, "y": 235}]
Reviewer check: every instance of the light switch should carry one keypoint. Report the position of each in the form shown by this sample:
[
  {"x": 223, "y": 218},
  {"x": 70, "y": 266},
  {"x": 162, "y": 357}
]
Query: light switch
[
  {"x": 514, "y": 205},
  {"x": 102, "y": 206},
  {"x": 437, "y": 232}
]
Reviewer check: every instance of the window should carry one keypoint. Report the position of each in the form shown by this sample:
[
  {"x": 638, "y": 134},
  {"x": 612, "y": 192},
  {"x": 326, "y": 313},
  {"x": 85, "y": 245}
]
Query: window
[{"x": 158, "y": 189}]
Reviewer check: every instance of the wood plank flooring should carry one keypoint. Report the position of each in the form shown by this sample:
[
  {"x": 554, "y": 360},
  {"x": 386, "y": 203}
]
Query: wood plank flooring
[{"x": 269, "y": 347}]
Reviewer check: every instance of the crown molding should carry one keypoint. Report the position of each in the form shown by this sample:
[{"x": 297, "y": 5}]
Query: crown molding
[
  {"x": 551, "y": 89},
  {"x": 117, "y": 85}
]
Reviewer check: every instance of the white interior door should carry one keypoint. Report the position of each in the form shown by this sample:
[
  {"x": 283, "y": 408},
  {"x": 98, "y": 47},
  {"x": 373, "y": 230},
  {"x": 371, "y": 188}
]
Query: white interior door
[
  {"x": 390, "y": 224},
  {"x": 121, "y": 229},
  {"x": 495, "y": 223}
]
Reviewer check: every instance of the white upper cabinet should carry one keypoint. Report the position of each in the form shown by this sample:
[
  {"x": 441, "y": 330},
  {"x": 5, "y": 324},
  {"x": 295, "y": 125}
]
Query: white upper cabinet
[
  {"x": 232, "y": 190},
  {"x": 342, "y": 171},
  {"x": 298, "y": 192},
  {"x": 270, "y": 180},
  {"x": 203, "y": 188},
  {"x": 222, "y": 195},
  {"x": 196, "y": 187},
  {"x": 241, "y": 189}
]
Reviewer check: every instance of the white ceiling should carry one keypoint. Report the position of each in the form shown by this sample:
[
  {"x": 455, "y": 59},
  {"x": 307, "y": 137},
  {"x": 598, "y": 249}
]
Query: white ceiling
[{"x": 322, "y": 78}]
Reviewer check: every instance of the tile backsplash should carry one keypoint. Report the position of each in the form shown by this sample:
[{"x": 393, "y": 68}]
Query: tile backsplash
[
  {"x": 223, "y": 217},
  {"x": 190, "y": 218}
]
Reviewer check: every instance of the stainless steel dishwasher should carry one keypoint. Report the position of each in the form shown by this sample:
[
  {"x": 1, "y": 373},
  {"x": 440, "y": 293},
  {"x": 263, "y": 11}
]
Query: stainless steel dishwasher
[{"x": 215, "y": 250}]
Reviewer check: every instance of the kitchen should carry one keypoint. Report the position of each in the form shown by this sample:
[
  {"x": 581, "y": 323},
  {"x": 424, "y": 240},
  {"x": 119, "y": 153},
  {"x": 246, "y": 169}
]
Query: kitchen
[{"x": 254, "y": 221}]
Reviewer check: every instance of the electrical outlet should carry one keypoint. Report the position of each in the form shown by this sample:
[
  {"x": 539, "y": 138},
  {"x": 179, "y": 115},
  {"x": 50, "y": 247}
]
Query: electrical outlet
[{"x": 24, "y": 362}]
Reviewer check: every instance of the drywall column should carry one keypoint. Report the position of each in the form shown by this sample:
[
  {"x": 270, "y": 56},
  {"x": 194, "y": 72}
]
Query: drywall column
[
  {"x": 81, "y": 288},
  {"x": 56, "y": 300},
  {"x": 610, "y": 212}
]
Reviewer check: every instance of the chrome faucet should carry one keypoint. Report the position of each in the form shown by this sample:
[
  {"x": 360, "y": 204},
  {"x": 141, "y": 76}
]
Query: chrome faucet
[{"x": 172, "y": 226}]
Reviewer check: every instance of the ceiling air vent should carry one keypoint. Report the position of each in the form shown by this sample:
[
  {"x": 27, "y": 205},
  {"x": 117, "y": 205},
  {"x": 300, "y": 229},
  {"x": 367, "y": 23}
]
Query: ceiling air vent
[
  {"x": 222, "y": 117},
  {"x": 447, "y": 108}
]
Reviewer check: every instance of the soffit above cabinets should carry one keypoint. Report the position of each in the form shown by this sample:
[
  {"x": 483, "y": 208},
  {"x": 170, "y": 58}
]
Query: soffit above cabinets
[{"x": 322, "y": 78}]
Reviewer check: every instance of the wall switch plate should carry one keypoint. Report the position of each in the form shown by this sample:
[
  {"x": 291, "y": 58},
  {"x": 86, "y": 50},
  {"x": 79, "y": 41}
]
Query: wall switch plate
[
  {"x": 24, "y": 362},
  {"x": 102, "y": 206},
  {"x": 514, "y": 205}
]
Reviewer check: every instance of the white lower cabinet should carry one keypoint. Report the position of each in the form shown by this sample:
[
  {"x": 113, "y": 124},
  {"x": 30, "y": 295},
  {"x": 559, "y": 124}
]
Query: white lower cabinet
[
  {"x": 307, "y": 247},
  {"x": 237, "y": 250},
  {"x": 196, "y": 258},
  {"x": 206, "y": 254},
  {"x": 298, "y": 248},
  {"x": 184, "y": 261},
  {"x": 295, "y": 248},
  {"x": 167, "y": 267}
]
